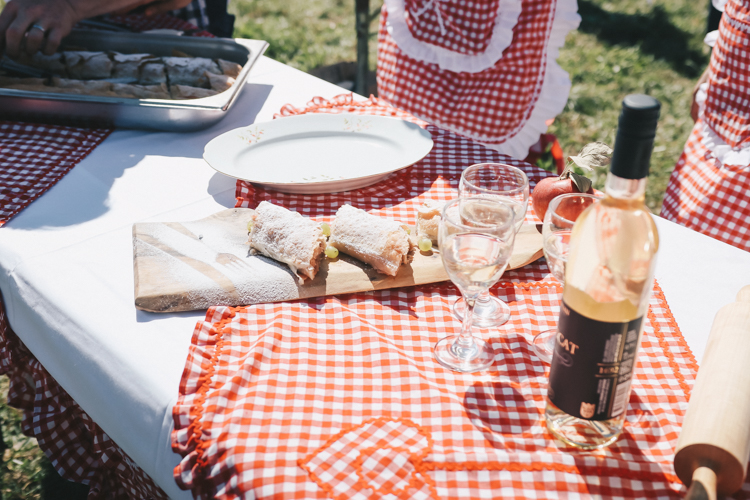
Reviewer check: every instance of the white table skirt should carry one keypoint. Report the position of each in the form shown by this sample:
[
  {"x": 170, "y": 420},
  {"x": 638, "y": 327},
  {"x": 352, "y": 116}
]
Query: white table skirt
[{"x": 66, "y": 270}]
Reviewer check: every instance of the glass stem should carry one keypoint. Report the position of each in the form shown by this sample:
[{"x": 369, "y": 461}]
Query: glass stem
[
  {"x": 465, "y": 339},
  {"x": 484, "y": 297}
]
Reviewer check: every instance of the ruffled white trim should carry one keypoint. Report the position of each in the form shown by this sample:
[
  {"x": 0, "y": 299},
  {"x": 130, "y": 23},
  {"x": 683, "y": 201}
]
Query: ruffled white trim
[
  {"x": 719, "y": 4},
  {"x": 555, "y": 87},
  {"x": 502, "y": 35},
  {"x": 711, "y": 37},
  {"x": 723, "y": 152}
]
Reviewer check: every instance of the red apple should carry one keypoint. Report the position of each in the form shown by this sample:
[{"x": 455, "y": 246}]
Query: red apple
[{"x": 551, "y": 187}]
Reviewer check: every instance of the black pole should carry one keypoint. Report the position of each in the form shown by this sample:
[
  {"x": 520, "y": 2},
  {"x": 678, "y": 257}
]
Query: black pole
[{"x": 362, "y": 25}]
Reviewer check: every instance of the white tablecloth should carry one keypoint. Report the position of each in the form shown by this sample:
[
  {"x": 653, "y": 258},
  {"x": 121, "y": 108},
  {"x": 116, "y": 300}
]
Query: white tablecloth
[{"x": 66, "y": 270}]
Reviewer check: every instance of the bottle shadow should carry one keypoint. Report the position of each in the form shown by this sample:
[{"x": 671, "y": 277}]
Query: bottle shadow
[
  {"x": 505, "y": 412},
  {"x": 510, "y": 415},
  {"x": 653, "y": 32}
]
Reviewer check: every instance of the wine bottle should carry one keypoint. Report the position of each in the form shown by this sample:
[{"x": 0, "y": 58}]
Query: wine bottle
[{"x": 608, "y": 282}]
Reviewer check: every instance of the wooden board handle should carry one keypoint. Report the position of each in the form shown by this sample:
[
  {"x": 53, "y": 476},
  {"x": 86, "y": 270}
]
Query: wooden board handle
[{"x": 716, "y": 431}]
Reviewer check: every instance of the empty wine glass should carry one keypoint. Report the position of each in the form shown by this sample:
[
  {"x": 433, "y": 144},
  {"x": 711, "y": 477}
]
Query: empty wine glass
[
  {"x": 475, "y": 238},
  {"x": 558, "y": 223},
  {"x": 510, "y": 185}
]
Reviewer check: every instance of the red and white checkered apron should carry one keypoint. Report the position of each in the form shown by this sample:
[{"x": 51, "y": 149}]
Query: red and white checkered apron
[
  {"x": 33, "y": 158},
  {"x": 457, "y": 36},
  {"x": 709, "y": 190},
  {"x": 340, "y": 397},
  {"x": 485, "y": 70}
]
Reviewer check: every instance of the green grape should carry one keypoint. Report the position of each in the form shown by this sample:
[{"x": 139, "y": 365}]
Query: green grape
[
  {"x": 326, "y": 229},
  {"x": 425, "y": 244},
  {"x": 332, "y": 252},
  {"x": 250, "y": 225}
]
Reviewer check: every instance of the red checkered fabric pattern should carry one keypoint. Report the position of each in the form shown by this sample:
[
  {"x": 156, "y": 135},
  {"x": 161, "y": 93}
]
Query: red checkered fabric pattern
[
  {"x": 77, "y": 448},
  {"x": 727, "y": 109},
  {"x": 490, "y": 106},
  {"x": 463, "y": 27},
  {"x": 705, "y": 194},
  {"x": 33, "y": 158},
  {"x": 435, "y": 177},
  {"x": 340, "y": 397},
  {"x": 709, "y": 197}
]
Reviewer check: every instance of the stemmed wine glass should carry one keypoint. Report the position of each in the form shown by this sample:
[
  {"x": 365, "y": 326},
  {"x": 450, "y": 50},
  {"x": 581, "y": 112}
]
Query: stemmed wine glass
[
  {"x": 475, "y": 238},
  {"x": 556, "y": 228},
  {"x": 510, "y": 185}
]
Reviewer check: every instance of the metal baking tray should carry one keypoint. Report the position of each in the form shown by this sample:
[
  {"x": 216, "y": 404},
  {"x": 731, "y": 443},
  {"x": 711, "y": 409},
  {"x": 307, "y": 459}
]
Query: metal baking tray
[{"x": 152, "y": 114}]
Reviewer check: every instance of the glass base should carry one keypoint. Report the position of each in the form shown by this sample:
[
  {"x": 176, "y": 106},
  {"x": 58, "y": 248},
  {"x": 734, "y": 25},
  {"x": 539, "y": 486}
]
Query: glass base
[
  {"x": 580, "y": 433},
  {"x": 544, "y": 344},
  {"x": 474, "y": 358},
  {"x": 489, "y": 313}
]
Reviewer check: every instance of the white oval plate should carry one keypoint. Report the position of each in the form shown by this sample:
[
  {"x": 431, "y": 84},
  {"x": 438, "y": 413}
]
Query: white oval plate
[{"x": 318, "y": 153}]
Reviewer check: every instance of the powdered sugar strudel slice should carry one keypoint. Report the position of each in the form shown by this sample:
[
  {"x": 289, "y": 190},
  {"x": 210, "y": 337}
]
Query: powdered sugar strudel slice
[
  {"x": 288, "y": 237},
  {"x": 382, "y": 243}
]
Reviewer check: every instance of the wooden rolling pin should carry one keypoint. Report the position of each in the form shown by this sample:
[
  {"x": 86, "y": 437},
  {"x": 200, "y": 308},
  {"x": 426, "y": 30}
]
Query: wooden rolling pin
[{"x": 714, "y": 445}]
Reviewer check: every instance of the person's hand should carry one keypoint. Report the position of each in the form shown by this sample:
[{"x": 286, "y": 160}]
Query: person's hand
[{"x": 33, "y": 25}]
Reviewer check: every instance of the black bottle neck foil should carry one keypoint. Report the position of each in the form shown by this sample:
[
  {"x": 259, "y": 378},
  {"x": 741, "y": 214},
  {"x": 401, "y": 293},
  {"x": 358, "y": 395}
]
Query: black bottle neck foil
[{"x": 635, "y": 136}]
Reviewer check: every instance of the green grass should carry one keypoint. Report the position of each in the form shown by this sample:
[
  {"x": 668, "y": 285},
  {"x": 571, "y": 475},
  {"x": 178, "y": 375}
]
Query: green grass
[
  {"x": 622, "y": 46},
  {"x": 23, "y": 463},
  {"x": 303, "y": 34}
]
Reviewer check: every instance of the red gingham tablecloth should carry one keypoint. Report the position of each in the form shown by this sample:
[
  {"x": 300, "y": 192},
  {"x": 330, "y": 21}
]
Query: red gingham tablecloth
[
  {"x": 339, "y": 397},
  {"x": 33, "y": 158}
]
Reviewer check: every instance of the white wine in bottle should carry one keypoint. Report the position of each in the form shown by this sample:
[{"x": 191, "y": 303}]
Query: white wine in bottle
[{"x": 608, "y": 282}]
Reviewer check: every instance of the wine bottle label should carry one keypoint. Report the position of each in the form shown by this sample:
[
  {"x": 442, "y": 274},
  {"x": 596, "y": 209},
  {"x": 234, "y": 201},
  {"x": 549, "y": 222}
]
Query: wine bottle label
[{"x": 592, "y": 365}]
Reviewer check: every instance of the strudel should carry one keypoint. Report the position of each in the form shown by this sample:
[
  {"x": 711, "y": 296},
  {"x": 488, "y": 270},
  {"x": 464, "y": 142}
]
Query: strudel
[
  {"x": 382, "y": 243},
  {"x": 288, "y": 237}
]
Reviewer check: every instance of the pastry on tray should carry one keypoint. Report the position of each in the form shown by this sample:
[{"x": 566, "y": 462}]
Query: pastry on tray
[
  {"x": 219, "y": 83},
  {"x": 382, "y": 243},
  {"x": 190, "y": 71},
  {"x": 288, "y": 237},
  {"x": 82, "y": 65},
  {"x": 153, "y": 73},
  {"x": 54, "y": 64},
  {"x": 85, "y": 87},
  {"x": 188, "y": 92},
  {"x": 129, "y": 66},
  {"x": 159, "y": 91},
  {"x": 229, "y": 68},
  {"x": 36, "y": 84},
  {"x": 136, "y": 76}
]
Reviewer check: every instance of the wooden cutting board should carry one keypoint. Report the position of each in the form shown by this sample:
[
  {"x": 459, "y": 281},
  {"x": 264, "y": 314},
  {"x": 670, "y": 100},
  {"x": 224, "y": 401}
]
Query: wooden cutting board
[{"x": 185, "y": 266}]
